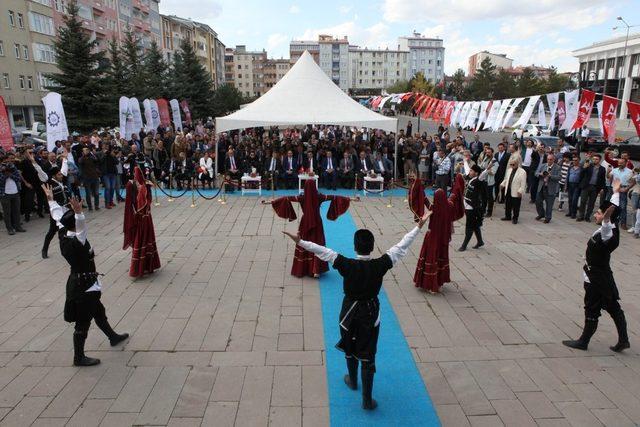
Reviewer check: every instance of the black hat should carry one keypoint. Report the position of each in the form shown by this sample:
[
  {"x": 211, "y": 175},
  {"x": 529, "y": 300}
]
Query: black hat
[
  {"x": 476, "y": 169},
  {"x": 68, "y": 220},
  {"x": 363, "y": 241},
  {"x": 614, "y": 216},
  {"x": 53, "y": 171}
]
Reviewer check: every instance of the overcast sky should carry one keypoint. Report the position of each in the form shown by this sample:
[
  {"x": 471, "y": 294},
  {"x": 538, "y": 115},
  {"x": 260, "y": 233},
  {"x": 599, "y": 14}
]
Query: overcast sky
[{"x": 541, "y": 32}]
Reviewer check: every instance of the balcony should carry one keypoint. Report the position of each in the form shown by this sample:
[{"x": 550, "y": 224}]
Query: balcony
[
  {"x": 144, "y": 8},
  {"x": 98, "y": 8}
]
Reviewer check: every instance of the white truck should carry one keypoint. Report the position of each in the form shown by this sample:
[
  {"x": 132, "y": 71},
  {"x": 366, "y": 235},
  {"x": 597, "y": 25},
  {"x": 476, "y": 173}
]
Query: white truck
[{"x": 36, "y": 135}]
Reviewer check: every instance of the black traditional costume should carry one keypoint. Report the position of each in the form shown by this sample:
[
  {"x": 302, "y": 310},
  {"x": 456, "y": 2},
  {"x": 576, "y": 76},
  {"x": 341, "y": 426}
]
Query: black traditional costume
[
  {"x": 473, "y": 210},
  {"x": 61, "y": 195}
]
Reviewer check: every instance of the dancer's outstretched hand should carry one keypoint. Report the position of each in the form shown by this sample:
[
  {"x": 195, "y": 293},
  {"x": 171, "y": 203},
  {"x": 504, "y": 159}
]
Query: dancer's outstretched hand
[
  {"x": 294, "y": 237},
  {"x": 423, "y": 220}
]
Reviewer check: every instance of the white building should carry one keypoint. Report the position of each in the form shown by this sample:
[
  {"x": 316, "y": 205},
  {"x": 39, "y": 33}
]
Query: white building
[
  {"x": 613, "y": 68},
  {"x": 334, "y": 59},
  {"x": 378, "y": 68},
  {"x": 500, "y": 60},
  {"x": 426, "y": 55}
]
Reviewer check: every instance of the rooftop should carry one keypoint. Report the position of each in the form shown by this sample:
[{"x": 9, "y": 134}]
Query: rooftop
[{"x": 635, "y": 38}]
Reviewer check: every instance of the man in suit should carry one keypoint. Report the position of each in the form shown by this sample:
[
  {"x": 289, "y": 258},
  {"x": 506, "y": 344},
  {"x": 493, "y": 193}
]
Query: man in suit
[
  {"x": 476, "y": 147},
  {"x": 383, "y": 166},
  {"x": 363, "y": 168},
  {"x": 537, "y": 159},
  {"x": 549, "y": 175},
  {"x": 310, "y": 163},
  {"x": 345, "y": 173},
  {"x": 301, "y": 159},
  {"x": 290, "y": 168},
  {"x": 502, "y": 159},
  {"x": 273, "y": 168},
  {"x": 232, "y": 167},
  {"x": 592, "y": 185},
  {"x": 252, "y": 162},
  {"x": 329, "y": 173}
]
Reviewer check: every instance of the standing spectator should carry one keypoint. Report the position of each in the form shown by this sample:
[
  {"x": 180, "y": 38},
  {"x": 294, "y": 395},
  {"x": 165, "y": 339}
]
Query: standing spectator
[
  {"x": 584, "y": 135},
  {"x": 592, "y": 184},
  {"x": 159, "y": 157},
  {"x": 109, "y": 171},
  {"x": 502, "y": 159},
  {"x": 32, "y": 176},
  {"x": 90, "y": 178},
  {"x": 489, "y": 167},
  {"x": 514, "y": 187},
  {"x": 10, "y": 183},
  {"x": 527, "y": 153},
  {"x": 537, "y": 160},
  {"x": 442, "y": 165},
  {"x": 424, "y": 158},
  {"x": 622, "y": 174},
  {"x": 573, "y": 186},
  {"x": 634, "y": 190},
  {"x": 564, "y": 170},
  {"x": 549, "y": 178},
  {"x": 475, "y": 147}
]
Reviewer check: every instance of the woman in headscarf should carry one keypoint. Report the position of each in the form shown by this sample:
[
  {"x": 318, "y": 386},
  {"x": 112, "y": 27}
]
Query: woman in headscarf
[
  {"x": 310, "y": 229},
  {"x": 432, "y": 270},
  {"x": 138, "y": 230}
]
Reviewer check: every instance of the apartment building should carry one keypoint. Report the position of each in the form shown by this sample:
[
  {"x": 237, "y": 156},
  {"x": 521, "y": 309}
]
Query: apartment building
[
  {"x": 274, "y": 70},
  {"x": 500, "y": 60},
  {"x": 377, "y": 69},
  {"x": 426, "y": 55}
]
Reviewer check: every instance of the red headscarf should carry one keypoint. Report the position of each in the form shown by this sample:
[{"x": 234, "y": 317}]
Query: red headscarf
[
  {"x": 441, "y": 222},
  {"x": 141, "y": 197}
]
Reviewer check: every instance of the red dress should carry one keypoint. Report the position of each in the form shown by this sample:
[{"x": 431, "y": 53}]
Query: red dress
[
  {"x": 305, "y": 263},
  {"x": 432, "y": 270},
  {"x": 138, "y": 228}
]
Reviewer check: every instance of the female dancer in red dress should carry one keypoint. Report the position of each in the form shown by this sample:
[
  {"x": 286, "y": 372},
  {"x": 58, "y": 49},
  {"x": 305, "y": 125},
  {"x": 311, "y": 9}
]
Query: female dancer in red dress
[
  {"x": 432, "y": 270},
  {"x": 305, "y": 263},
  {"x": 138, "y": 227}
]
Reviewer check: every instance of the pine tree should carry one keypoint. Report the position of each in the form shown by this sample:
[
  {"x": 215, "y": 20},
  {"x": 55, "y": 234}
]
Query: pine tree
[
  {"x": 80, "y": 80},
  {"x": 529, "y": 84},
  {"x": 115, "y": 79},
  {"x": 505, "y": 85},
  {"x": 556, "y": 82},
  {"x": 134, "y": 83},
  {"x": 458, "y": 84},
  {"x": 483, "y": 82},
  {"x": 420, "y": 84},
  {"x": 156, "y": 74},
  {"x": 192, "y": 82},
  {"x": 226, "y": 99}
]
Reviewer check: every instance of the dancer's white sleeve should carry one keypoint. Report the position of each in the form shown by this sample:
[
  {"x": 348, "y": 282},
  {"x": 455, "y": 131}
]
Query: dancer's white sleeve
[
  {"x": 402, "y": 247},
  {"x": 325, "y": 254}
]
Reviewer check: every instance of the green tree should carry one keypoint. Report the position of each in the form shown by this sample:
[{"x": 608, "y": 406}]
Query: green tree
[
  {"x": 505, "y": 85},
  {"x": 483, "y": 82},
  {"x": 401, "y": 86},
  {"x": 529, "y": 84},
  {"x": 556, "y": 82},
  {"x": 155, "y": 73},
  {"x": 135, "y": 77},
  {"x": 192, "y": 82},
  {"x": 421, "y": 85},
  {"x": 226, "y": 99},
  {"x": 457, "y": 87},
  {"x": 80, "y": 80}
]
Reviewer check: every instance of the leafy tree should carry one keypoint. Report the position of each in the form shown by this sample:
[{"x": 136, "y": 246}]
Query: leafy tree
[
  {"x": 135, "y": 77},
  {"x": 155, "y": 73},
  {"x": 483, "y": 82},
  {"x": 557, "y": 82},
  {"x": 457, "y": 86},
  {"x": 401, "y": 86},
  {"x": 420, "y": 84},
  {"x": 80, "y": 80},
  {"x": 529, "y": 84},
  {"x": 226, "y": 99},
  {"x": 505, "y": 85},
  {"x": 192, "y": 82}
]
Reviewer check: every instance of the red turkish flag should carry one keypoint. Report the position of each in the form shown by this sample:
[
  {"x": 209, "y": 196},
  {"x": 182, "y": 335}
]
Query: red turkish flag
[
  {"x": 448, "y": 111},
  {"x": 586, "y": 105},
  {"x": 634, "y": 111},
  {"x": 609, "y": 107},
  {"x": 432, "y": 106},
  {"x": 6, "y": 140},
  {"x": 418, "y": 101},
  {"x": 437, "y": 112},
  {"x": 163, "y": 109},
  {"x": 425, "y": 104}
]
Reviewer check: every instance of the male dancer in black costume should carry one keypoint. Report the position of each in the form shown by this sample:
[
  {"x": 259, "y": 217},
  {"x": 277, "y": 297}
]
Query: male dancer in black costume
[
  {"x": 360, "y": 314},
  {"x": 61, "y": 195},
  {"x": 600, "y": 288},
  {"x": 83, "y": 286}
]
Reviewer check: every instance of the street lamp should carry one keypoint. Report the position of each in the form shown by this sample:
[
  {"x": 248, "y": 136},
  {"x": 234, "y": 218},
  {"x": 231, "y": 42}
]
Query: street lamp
[{"x": 624, "y": 54}]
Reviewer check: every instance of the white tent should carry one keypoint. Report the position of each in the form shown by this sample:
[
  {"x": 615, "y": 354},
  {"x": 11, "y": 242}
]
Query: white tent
[{"x": 305, "y": 95}]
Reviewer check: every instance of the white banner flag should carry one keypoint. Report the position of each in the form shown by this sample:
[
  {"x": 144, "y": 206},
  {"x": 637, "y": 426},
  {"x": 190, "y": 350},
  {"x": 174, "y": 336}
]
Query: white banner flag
[
  {"x": 125, "y": 116},
  {"x": 599, "y": 107},
  {"x": 542, "y": 119},
  {"x": 456, "y": 113},
  {"x": 56, "y": 121},
  {"x": 148, "y": 121},
  {"x": 571, "y": 107},
  {"x": 482, "y": 117},
  {"x": 155, "y": 114},
  {"x": 528, "y": 111},
  {"x": 512, "y": 110},
  {"x": 136, "y": 117},
  {"x": 175, "y": 109},
  {"x": 503, "y": 110},
  {"x": 473, "y": 115},
  {"x": 493, "y": 113},
  {"x": 552, "y": 100},
  {"x": 464, "y": 112}
]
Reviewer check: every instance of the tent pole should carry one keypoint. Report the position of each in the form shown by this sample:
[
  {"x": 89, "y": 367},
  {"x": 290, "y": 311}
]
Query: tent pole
[{"x": 395, "y": 153}]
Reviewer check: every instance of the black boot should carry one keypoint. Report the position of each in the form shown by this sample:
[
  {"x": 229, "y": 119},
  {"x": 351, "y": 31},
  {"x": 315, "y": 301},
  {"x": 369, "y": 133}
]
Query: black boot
[
  {"x": 79, "y": 359},
  {"x": 114, "y": 338},
  {"x": 44, "y": 253},
  {"x": 623, "y": 338},
  {"x": 367, "y": 371},
  {"x": 480, "y": 242},
  {"x": 582, "y": 343},
  {"x": 351, "y": 380}
]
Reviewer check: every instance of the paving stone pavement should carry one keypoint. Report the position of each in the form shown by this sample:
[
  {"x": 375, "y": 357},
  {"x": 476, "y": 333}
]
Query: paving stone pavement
[{"x": 224, "y": 335}]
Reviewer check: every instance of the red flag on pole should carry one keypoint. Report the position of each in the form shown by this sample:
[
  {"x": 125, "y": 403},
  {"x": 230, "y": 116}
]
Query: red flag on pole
[
  {"x": 448, "y": 111},
  {"x": 163, "y": 109},
  {"x": 424, "y": 104},
  {"x": 586, "y": 105},
  {"x": 6, "y": 139},
  {"x": 419, "y": 99},
  {"x": 432, "y": 103},
  {"x": 609, "y": 108},
  {"x": 185, "y": 109},
  {"x": 634, "y": 111}
]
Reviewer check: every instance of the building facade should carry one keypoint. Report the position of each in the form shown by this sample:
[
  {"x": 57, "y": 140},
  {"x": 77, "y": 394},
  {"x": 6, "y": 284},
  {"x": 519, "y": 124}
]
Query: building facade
[
  {"x": 374, "y": 70},
  {"x": 500, "y": 60},
  {"x": 27, "y": 33},
  {"x": 334, "y": 59},
  {"x": 297, "y": 48},
  {"x": 248, "y": 70},
  {"x": 426, "y": 55},
  {"x": 274, "y": 70},
  {"x": 613, "y": 65}
]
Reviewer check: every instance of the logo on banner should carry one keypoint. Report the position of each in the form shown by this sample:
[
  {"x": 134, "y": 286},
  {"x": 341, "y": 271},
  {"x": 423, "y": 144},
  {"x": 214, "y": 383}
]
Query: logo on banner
[
  {"x": 154, "y": 114},
  {"x": 53, "y": 119},
  {"x": 611, "y": 113},
  {"x": 4, "y": 125}
]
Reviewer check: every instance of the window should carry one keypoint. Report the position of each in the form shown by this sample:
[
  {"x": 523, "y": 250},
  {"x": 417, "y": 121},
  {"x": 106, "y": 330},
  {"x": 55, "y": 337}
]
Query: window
[
  {"x": 21, "y": 81},
  {"x": 30, "y": 82},
  {"x": 84, "y": 12},
  {"x": 44, "y": 81},
  {"x": 1, "y": 48},
  {"x": 44, "y": 53},
  {"x": 41, "y": 23},
  {"x": 5, "y": 81},
  {"x": 20, "y": 21},
  {"x": 16, "y": 50},
  {"x": 60, "y": 5},
  {"x": 12, "y": 18},
  {"x": 25, "y": 52},
  {"x": 44, "y": 2}
]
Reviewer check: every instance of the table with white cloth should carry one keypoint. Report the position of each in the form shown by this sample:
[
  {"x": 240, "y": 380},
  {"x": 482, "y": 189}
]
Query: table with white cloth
[
  {"x": 367, "y": 183},
  {"x": 251, "y": 184}
]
